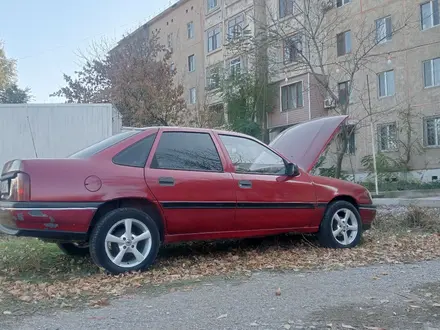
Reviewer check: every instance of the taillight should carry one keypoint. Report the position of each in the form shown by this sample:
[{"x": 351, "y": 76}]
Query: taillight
[{"x": 20, "y": 190}]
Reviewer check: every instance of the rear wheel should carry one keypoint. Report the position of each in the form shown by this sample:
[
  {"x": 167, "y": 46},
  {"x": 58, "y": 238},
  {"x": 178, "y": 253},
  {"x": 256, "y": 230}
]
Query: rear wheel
[
  {"x": 74, "y": 249},
  {"x": 341, "y": 226},
  {"x": 125, "y": 240}
]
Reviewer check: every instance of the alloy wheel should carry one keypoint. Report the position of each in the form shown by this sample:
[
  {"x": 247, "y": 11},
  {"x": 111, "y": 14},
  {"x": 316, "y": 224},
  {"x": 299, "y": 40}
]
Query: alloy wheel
[{"x": 128, "y": 243}]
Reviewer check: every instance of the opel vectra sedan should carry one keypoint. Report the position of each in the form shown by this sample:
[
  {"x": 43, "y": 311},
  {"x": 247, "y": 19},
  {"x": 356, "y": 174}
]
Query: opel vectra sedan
[{"x": 123, "y": 197}]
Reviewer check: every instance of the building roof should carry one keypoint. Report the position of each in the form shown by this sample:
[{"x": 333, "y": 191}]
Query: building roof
[{"x": 151, "y": 21}]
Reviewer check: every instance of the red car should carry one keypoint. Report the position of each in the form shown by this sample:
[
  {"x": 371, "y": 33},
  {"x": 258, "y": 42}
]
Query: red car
[{"x": 123, "y": 197}]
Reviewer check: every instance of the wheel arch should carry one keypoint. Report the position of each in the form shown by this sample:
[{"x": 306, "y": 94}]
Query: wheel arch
[
  {"x": 346, "y": 198},
  {"x": 143, "y": 204}
]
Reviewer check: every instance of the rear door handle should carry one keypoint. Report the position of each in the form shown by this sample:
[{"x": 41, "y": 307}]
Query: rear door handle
[
  {"x": 166, "y": 181},
  {"x": 245, "y": 184}
]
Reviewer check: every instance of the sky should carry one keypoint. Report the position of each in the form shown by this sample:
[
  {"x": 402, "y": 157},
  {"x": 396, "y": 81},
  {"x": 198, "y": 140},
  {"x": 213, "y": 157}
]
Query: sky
[{"x": 45, "y": 36}]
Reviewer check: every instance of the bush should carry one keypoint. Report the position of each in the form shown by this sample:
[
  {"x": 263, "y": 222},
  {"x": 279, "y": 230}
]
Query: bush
[{"x": 395, "y": 219}]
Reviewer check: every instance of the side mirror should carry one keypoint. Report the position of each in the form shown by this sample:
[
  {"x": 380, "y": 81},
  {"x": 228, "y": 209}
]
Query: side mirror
[{"x": 292, "y": 169}]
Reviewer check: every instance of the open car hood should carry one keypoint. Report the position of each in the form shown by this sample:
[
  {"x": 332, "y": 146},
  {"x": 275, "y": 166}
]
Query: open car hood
[{"x": 302, "y": 144}]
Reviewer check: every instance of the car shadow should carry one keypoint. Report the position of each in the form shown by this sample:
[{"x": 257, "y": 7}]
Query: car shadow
[{"x": 220, "y": 247}]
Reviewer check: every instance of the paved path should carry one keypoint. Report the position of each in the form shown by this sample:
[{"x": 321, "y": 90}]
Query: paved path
[
  {"x": 392, "y": 297},
  {"x": 431, "y": 202}
]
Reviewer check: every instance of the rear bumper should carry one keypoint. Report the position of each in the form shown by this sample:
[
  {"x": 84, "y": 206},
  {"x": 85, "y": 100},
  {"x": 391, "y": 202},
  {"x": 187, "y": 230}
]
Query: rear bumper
[
  {"x": 60, "y": 221},
  {"x": 368, "y": 214}
]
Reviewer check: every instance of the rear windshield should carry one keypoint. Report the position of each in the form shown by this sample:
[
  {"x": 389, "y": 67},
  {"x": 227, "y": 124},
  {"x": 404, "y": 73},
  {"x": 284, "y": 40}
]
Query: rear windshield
[{"x": 104, "y": 144}]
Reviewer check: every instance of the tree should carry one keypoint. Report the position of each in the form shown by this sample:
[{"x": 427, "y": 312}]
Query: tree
[
  {"x": 141, "y": 77},
  {"x": 7, "y": 69},
  {"x": 137, "y": 77},
  {"x": 13, "y": 94},
  {"x": 245, "y": 89},
  {"x": 312, "y": 41},
  {"x": 91, "y": 84}
]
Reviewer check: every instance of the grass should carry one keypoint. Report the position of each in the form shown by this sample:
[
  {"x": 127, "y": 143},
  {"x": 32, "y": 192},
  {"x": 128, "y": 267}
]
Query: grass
[{"x": 34, "y": 260}]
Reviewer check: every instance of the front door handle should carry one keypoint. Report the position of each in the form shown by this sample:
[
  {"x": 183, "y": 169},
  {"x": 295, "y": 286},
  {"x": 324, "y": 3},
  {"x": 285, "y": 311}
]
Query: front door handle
[
  {"x": 245, "y": 184},
  {"x": 166, "y": 181}
]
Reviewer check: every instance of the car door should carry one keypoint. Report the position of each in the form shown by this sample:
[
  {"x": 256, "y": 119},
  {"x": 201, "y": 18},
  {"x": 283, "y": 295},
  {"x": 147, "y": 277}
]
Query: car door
[
  {"x": 186, "y": 175},
  {"x": 266, "y": 197}
]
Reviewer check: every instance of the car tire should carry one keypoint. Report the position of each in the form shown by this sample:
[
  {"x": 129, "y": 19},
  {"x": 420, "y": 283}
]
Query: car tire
[
  {"x": 74, "y": 249},
  {"x": 341, "y": 226},
  {"x": 125, "y": 240}
]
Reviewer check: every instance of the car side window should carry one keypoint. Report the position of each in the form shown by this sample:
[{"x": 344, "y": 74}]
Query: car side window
[
  {"x": 188, "y": 151},
  {"x": 135, "y": 155},
  {"x": 249, "y": 156}
]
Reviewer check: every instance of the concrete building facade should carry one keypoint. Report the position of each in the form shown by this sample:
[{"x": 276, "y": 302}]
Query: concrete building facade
[{"x": 402, "y": 70}]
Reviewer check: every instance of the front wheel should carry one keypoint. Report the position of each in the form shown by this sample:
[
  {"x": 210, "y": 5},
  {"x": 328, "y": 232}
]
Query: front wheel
[
  {"x": 341, "y": 226},
  {"x": 125, "y": 240},
  {"x": 74, "y": 249}
]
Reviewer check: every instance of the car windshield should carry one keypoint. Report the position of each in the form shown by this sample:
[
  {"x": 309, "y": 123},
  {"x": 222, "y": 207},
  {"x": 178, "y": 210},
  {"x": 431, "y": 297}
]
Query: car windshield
[{"x": 104, "y": 144}]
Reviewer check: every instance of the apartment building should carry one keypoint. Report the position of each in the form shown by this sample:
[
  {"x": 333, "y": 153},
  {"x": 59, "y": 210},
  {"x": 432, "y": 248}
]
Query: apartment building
[
  {"x": 401, "y": 82},
  {"x": 403, "y": 70}
]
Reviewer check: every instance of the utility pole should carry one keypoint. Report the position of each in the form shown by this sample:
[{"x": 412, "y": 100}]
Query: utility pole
[{"x": 373, "y": 141}]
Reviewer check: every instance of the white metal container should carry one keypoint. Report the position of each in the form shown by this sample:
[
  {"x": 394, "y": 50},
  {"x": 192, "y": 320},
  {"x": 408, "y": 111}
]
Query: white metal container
[{"x": 54, "y": 130}]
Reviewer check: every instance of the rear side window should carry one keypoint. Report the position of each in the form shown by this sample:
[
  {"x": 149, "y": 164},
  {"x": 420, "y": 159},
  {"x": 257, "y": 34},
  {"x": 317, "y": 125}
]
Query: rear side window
[
  {"x": 135, "y": 155},
  {"x": 102, "y": 145},
  {"x": 187, "y": 151}
]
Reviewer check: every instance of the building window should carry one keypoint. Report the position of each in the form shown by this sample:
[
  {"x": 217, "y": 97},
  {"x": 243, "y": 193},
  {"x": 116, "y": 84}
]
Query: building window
[
  {"x": 190, "y": 30},
  {"x": 344, "y": 92},
  {"x": 387, "y": 137},
  {"x": 213, "y": 78},
  {"x": 383, "y": 30},
  {"x": 432, "y": 132},
  {"x": 351, "y": 139},
  {"x": 191, "y": 63},
  {"x": 431, "y": 72},
  {"x": 170, "y": 41},
  {"x": 192, "y": 96},
  {"x": 286, "y": 7},
  {"x": 213, "y": 39},
  {"x": 340, "y": 3},
  {"x": 292, "y": 96},
  {"x": 235, "y": 66},
  {"x": 235, "y": 27},
  {"x": 351, "y": 143},
  {"x": 293, "y": 48},
  {"x": 429, "y": 12},
  {"x": 386, "y": 83},
  {"x": 344, "y": 43},
  {"x": 212, "y": 4}
]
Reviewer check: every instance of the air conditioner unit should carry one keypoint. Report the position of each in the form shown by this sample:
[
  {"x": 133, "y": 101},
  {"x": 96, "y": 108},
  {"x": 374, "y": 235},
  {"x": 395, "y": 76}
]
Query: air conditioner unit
[
  {"x": 326, "y": 5},
  {"x": 329, "y": 103}
]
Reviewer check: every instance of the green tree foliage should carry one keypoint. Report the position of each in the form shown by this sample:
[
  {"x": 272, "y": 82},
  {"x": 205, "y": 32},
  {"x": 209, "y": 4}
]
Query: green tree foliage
[
  {"x": 242, "y": 94},
  {"x": 7, "y": 69},
  {"x": 13, "y": 94}
]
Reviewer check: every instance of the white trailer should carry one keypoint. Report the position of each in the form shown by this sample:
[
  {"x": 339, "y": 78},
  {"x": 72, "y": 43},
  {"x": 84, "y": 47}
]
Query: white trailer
[{"x": 54, "y": 130}]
